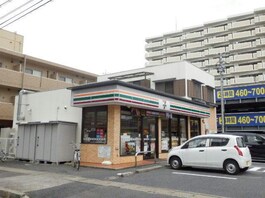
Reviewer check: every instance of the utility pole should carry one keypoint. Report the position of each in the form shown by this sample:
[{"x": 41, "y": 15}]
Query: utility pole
[{"x": 221, "y": 70}]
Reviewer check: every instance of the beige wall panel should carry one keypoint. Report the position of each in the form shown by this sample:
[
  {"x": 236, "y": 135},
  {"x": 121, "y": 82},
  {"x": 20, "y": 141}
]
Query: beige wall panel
[
  {"x": 10, "y": 78},
  {"x": 7, "y": 94},
  {"x": 7, "y": 110}
]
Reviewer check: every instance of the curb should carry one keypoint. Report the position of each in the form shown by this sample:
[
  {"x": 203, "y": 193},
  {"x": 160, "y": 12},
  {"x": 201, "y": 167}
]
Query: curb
[
  {"x": 139, "y": 171},
  {"x": 8, "y": 193}
]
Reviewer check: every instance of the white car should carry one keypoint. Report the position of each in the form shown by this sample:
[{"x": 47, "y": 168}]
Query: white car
[{"x": 218, "y": 151}]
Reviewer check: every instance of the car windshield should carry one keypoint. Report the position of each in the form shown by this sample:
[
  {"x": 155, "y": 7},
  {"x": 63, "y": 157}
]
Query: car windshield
[{"x": 240, "y": 142}]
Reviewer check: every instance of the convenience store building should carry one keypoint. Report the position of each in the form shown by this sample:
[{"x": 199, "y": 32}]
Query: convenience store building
[{"x": 121, "y": 118}]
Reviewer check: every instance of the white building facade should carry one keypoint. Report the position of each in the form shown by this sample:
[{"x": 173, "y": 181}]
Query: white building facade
[{"x": 241, "y": 40}]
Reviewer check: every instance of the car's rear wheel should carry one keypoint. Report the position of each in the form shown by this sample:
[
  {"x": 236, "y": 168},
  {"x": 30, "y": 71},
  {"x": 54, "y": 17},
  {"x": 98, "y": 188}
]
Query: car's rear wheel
[
  {"x": 231, "y": 167},
  {"x": 175, "y": 163}
]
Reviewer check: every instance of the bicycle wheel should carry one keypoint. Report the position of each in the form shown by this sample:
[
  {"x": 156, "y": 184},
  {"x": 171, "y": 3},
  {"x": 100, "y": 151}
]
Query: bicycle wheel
[{"x": 77, "y": 165}]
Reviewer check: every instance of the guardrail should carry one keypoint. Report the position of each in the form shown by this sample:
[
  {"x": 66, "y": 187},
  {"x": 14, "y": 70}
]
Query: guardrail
[{"x": 144, "y": 152}]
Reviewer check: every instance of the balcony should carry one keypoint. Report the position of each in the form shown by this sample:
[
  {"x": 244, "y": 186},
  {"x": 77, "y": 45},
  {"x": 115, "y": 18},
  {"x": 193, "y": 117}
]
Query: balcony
[
  {"x": 260, "y": 30},
  {"x": 214, "y": 72},
  {"x": 173, "y": 40},
  {"x": 170, "y": 50},
  {"x": 216, "y": 40},
  {"x": 193, "y": 55},
  {"x": 194, "y": 45},
  {"x": 13, "y": 78},
  {"x": 260, "y": 78},
  {"x": 243, "y": 57},
  {"x": 7, "y": 110},
  {"x": 214, "y": 51},
  {"x": 244, "y": 80},
  {"x": 260, "y": 19},
  {"x": 241, "y": 35},
  {"x": 193, "y": 35},
  {"x": 215, "y": 30},
  {"x": 242, "y": 68},
  {"x": 153, "y": 45},
  {"x": 173, "y": 59},
  {"x": 261, "y": 54},
  {"x": 210, "y": 62},
  {"x": 241, "y": 46},
  {"x": 154, "y": 54},
  {"x": 240, "y": 24},
  {"x": 259, "y": 66},
  {"x": 260, "y": 42}
]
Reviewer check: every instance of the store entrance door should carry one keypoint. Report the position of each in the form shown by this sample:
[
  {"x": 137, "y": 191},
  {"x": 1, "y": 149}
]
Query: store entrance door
[{"x": 149, "y": 137}]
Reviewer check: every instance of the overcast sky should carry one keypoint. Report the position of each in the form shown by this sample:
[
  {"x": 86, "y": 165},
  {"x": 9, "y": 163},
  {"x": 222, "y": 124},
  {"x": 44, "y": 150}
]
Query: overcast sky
[{"x": 106, "y": 36}]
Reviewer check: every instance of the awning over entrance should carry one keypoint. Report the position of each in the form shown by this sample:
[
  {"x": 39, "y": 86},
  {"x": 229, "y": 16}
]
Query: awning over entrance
[{"x": 121, "y": 93}]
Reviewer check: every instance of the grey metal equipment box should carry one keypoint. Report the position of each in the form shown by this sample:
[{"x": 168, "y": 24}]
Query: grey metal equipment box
[{"x": 48, "y": 142}]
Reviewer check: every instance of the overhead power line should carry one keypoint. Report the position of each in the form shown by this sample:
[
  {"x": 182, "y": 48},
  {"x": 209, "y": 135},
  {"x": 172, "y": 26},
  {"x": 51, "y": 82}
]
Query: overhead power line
[
  {"x": 5, "y": 3},
  {"x": 21, "y": 14}
]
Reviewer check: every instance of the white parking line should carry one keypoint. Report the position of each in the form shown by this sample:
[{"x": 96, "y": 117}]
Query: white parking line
[
  {"x": 199, "y": 175},
  {"x": 254, "y": 169}
]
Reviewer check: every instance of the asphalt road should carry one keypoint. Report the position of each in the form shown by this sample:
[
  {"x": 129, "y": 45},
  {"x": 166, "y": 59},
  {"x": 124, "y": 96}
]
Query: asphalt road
[{"x": 63, "y": 181}]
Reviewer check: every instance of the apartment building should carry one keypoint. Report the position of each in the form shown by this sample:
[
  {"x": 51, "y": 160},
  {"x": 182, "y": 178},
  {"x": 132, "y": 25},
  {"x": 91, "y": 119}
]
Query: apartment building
[
  {"x": 20, "y": 71},
  {"x": 242, "y": 39}
]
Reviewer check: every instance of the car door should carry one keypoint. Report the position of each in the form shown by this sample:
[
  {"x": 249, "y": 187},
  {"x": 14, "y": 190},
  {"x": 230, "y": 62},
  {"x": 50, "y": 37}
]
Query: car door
[
  {"x": 194, "y": 152},
  {"x": 256, "y": 146},
  {"x": 217, "y": 151}
]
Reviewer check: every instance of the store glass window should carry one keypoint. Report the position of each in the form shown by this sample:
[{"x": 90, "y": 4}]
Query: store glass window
[
  {"x": 164, "y": 135},
  {"x": 174, "y": 132},
  {"x": 130, "y": 132},
  {"x": 194, "y": 127},
  {"x": 183, "y": 129},
  {"x": 94, "y": 126}
]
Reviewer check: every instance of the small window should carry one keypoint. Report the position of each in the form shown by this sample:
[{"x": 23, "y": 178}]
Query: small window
[
  {"x": 253, "y": 139},
  {"x": 197, "y": 143},
  {"x": 33, "y": 72},
  {"x": 166, "y": 87},
  {"x": 240, "y": 142},
  {"x": 65, "y": 79},
  {"x": 218, "y": 142}
]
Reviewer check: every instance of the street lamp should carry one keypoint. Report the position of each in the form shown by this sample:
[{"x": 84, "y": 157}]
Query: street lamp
[{"x": 221, "y": 70}]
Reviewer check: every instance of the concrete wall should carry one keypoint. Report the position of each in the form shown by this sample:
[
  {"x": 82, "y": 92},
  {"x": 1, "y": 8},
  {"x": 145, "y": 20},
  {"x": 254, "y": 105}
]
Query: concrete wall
[
  {"x": 11, "y": 41},
  {"x": 49, "y": 106}
]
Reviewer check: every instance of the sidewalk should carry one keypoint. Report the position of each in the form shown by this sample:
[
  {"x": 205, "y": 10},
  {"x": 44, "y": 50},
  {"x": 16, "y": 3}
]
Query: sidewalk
[{"x": 19, "y": 177}]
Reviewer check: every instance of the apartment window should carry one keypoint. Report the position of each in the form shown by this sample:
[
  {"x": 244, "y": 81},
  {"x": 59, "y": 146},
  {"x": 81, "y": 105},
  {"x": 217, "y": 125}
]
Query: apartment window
[
  {"x": 197, "y": 89},
  {"x": 94, "y": 126},
  {"x": 166, "y": 87},
  {"x": 33, "y": 72},
  {"x": 66, "y": 79}
]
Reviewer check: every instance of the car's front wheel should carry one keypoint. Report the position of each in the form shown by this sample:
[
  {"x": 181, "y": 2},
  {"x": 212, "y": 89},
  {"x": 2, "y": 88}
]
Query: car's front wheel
[
  {"x": 231, "y": 167},
  {"x": 175, "y": 162}
]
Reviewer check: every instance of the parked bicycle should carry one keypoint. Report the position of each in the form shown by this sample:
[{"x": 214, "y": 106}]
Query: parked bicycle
[
  {"x": 76, "y": 157},
  {"x": 3, "y": 156}
]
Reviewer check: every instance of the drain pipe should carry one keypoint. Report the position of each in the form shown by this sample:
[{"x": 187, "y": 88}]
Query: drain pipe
[{"x": 19, "y": 104}]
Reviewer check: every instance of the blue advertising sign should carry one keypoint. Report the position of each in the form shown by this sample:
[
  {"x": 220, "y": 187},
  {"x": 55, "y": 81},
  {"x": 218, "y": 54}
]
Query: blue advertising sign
[
  {"x": 242, "y": 119},
  {"x": 255, "y": 91}
]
